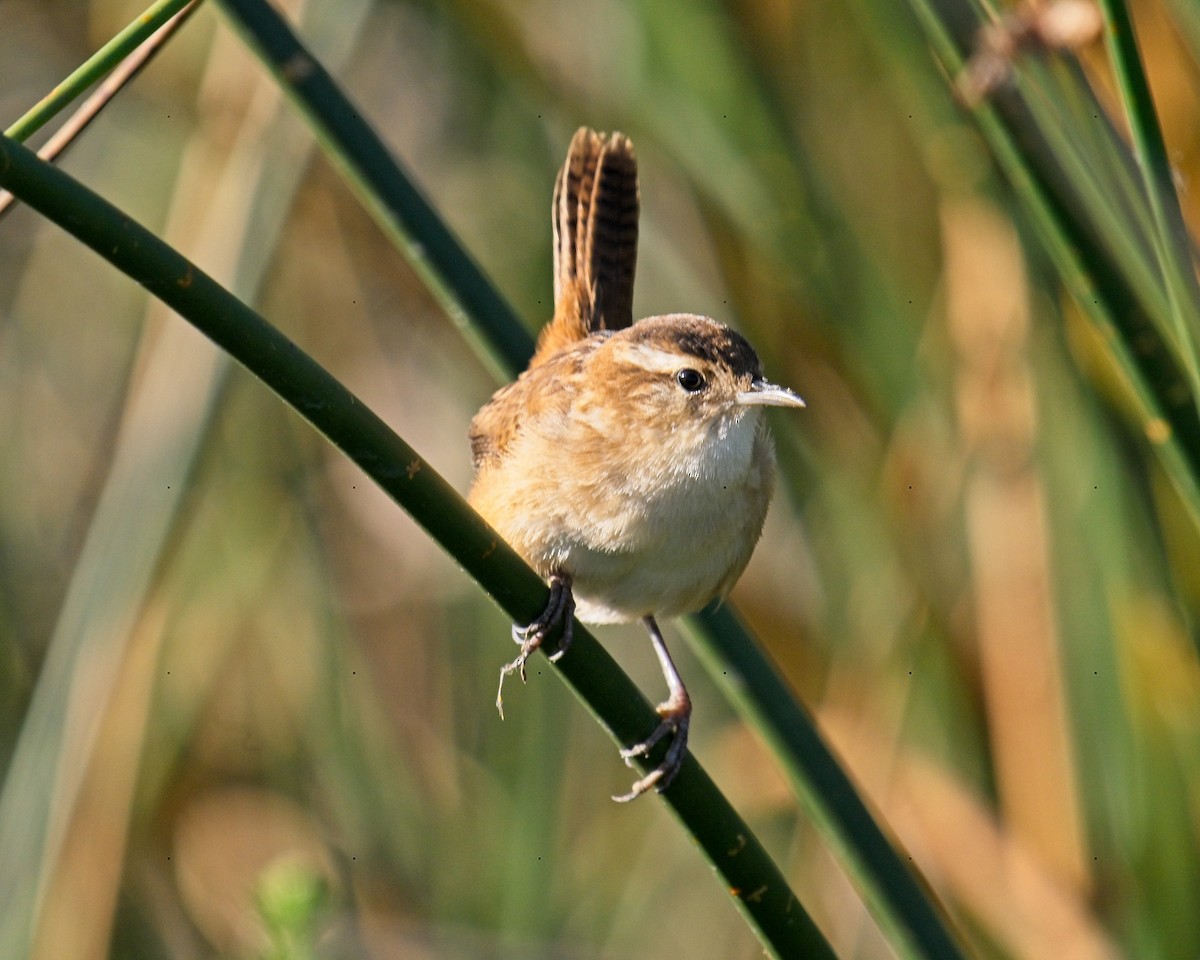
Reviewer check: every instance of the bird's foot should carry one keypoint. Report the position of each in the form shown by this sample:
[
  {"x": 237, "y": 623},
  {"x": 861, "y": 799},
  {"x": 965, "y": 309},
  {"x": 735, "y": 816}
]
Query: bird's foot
[
  {"x": 560, "y": 608},
  {"x": 675, "y": 715}
]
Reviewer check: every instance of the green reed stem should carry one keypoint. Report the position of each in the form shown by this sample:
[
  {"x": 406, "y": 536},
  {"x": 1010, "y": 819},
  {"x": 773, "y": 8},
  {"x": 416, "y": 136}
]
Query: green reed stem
[
  {"x": 95, "y": 67},
  {"x": 755, "y": 884}
]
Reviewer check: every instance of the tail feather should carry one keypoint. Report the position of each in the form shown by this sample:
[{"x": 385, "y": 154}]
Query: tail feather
[{"x": 595, "y": 219}]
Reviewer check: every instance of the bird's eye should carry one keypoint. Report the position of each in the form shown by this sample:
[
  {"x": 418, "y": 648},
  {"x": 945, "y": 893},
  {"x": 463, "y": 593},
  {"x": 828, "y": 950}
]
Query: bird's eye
[{"x": 691, "y": 380}]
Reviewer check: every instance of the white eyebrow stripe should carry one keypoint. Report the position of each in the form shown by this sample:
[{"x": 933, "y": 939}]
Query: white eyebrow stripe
[{"x": 651, "y": 358}]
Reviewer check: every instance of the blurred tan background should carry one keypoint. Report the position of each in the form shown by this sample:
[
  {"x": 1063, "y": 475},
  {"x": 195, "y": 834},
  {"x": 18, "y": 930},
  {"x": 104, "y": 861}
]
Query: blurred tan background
[{"x": 229, "y": 664}]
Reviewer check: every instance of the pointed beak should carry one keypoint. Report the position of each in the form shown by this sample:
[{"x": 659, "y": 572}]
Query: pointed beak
[{"x": 763, "y": 394}]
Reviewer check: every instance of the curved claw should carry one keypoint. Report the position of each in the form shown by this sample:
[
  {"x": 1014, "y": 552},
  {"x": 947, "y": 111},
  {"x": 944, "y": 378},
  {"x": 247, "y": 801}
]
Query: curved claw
[
  {"x": 560, "y": 608},
  {"x": 675, "y": 721}
]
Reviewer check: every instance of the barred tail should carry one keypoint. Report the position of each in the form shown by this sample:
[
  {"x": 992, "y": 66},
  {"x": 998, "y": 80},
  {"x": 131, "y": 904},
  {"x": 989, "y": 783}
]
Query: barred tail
[{"x": 595, "y": 219}]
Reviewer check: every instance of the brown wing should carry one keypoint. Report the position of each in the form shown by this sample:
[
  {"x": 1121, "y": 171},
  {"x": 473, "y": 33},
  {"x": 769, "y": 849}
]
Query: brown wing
[
  {"x": 536, "y": 393},
  {"x": 494, "y": 425},
  {"x": 595, "y": 221}
]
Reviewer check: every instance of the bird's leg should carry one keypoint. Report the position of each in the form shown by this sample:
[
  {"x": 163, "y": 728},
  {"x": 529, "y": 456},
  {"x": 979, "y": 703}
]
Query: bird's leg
[
  {"x": 560, "y": 608},
  {"x": 675, "y": 713}
]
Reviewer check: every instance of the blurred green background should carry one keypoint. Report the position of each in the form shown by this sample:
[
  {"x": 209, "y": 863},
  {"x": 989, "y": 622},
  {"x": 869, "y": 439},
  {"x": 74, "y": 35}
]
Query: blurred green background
[{"x": 233, "y": 674}]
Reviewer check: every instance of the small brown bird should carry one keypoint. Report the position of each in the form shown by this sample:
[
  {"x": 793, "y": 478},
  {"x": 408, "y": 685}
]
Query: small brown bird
[{"x": 630, "y": 464}]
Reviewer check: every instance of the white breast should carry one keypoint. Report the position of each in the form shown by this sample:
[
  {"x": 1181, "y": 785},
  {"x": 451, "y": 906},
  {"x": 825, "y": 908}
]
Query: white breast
[{"x": 666, "y": 548}]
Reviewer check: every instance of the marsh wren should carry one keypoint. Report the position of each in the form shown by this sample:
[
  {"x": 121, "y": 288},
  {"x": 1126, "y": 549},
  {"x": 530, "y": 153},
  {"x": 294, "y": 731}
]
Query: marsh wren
[{"x": 629, "y": 464}]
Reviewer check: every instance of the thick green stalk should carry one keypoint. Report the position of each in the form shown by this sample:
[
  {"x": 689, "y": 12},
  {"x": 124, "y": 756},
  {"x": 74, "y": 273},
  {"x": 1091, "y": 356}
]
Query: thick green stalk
[
  {"x": 755, "y": 883},
  {"x": 896, "y": 895},
  {"x": 829, "y": 797}
]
